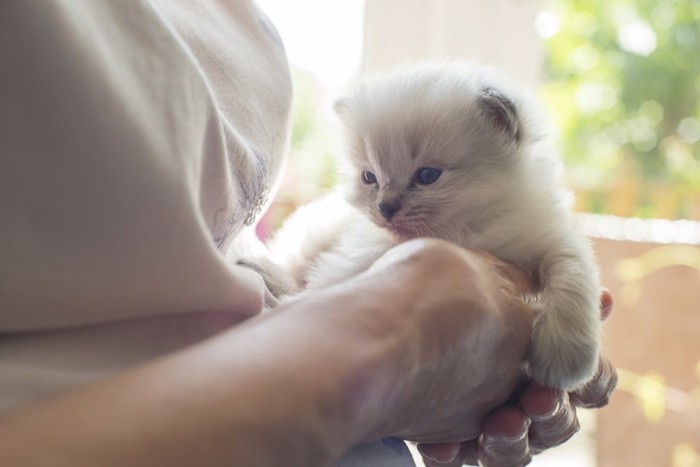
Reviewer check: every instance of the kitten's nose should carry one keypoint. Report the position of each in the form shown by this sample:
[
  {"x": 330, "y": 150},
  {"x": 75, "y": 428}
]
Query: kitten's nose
[{"x": 388, "y": 209}]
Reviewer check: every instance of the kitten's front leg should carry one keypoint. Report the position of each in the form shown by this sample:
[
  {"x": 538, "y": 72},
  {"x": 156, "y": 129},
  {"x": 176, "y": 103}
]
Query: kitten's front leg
[
  {"x": 248, "y": 251},
  {"x": 565, "y": 343}
]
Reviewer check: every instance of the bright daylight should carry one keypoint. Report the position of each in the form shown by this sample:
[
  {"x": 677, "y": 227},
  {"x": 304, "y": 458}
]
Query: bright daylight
[{"x": 350, "y": 233}]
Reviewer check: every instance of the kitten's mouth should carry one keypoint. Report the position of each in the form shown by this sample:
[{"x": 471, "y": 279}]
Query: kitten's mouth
[{"x": 400, "y": 233}]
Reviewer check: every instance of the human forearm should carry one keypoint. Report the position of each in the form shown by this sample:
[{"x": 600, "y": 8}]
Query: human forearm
[{"x": 243, "y": 398}]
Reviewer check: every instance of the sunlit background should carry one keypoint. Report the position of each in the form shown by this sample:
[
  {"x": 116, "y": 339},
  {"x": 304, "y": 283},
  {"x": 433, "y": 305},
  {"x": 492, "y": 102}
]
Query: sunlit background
[{"x": 621, "y": 79}]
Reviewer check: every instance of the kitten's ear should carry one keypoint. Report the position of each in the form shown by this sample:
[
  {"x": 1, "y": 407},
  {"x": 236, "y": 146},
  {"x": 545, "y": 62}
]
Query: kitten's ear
[{"x": 500, "y": 110}]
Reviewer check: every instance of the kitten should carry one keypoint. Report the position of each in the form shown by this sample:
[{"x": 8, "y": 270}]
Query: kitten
[{"x": 453, "y": 150}]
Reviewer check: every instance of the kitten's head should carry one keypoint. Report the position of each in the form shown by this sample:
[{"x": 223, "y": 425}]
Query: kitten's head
[{"x": 433, "y": 147}]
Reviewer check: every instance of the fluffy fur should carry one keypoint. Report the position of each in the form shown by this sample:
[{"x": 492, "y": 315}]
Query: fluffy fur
[{"x": 492, "y": 183}]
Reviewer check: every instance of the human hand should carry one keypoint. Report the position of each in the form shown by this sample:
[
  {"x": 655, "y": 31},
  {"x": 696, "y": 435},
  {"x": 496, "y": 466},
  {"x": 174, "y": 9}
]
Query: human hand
[
  {"x": 447, "y": 310},
  {"x": 543, "y": 418}
]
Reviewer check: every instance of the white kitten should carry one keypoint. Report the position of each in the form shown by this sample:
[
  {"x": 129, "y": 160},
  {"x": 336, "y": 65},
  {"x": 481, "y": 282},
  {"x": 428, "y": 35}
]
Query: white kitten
[{"x": 455, "y": 151}]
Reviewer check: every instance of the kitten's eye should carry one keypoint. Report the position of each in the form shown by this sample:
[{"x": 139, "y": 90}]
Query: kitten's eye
[
  {"x": 368, "y": 177},
  {"x": 427, "y": 175}
]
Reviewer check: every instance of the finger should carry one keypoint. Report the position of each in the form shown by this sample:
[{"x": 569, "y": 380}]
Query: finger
[
  {"x": 439, "y": 453},
  {"x": 505, "y": 438},
  {"x": 523, "y": 283},
  {"x": 467, "y": 455},
  {"x": 597, "y": 392},
  {"x": 514, "y": 275},
  {"x": 606, "y": 304},
  {"x": 553, "y": 417}
]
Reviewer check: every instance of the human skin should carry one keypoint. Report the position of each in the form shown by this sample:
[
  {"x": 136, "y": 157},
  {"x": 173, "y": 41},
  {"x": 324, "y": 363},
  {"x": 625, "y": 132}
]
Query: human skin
[
  {"x": 396, "y": 351},
  {"x": 542, "y": 418}
]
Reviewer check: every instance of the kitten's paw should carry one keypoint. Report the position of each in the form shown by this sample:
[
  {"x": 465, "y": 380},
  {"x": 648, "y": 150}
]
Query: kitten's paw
[
  {"x": 562, "y": 357},
  {"x": 277, "y": 282}
]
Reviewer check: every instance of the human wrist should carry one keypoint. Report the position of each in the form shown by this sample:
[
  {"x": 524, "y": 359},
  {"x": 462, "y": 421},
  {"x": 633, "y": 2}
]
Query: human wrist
[{"x": 359, "y": 356}]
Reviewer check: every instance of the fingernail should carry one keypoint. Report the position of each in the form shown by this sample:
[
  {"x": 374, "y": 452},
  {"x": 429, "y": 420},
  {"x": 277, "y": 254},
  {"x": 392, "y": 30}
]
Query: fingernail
[
  {"x": 542, "y": 403},
  {"x": 500, "y": 439},
  {"x": 551, "y": 413},
  {"x": 495, "y": 443},
  {"x": 496, "y": 450},
  {"x": 440, "y": 454}
]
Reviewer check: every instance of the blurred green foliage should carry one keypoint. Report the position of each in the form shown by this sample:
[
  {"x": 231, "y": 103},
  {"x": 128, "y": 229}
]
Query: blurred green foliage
[
  {"x": 313, "y": 139},
  {"x": 623, "y": 79}
]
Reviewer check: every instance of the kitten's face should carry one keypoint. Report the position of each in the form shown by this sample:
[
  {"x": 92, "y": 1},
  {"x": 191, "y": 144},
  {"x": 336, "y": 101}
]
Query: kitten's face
[{"x": 429, "y": 159}]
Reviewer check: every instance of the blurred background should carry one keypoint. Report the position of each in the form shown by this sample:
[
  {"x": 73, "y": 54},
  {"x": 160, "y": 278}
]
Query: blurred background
[{"x": 621, "y": 79}]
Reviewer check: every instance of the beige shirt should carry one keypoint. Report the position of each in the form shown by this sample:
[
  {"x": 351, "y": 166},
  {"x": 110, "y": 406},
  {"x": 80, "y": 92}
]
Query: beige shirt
[{"x": 137, "y": 139}]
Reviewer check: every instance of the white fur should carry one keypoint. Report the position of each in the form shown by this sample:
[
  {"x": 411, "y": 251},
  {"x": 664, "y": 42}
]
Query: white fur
[{"x": 499, "y": 191}]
